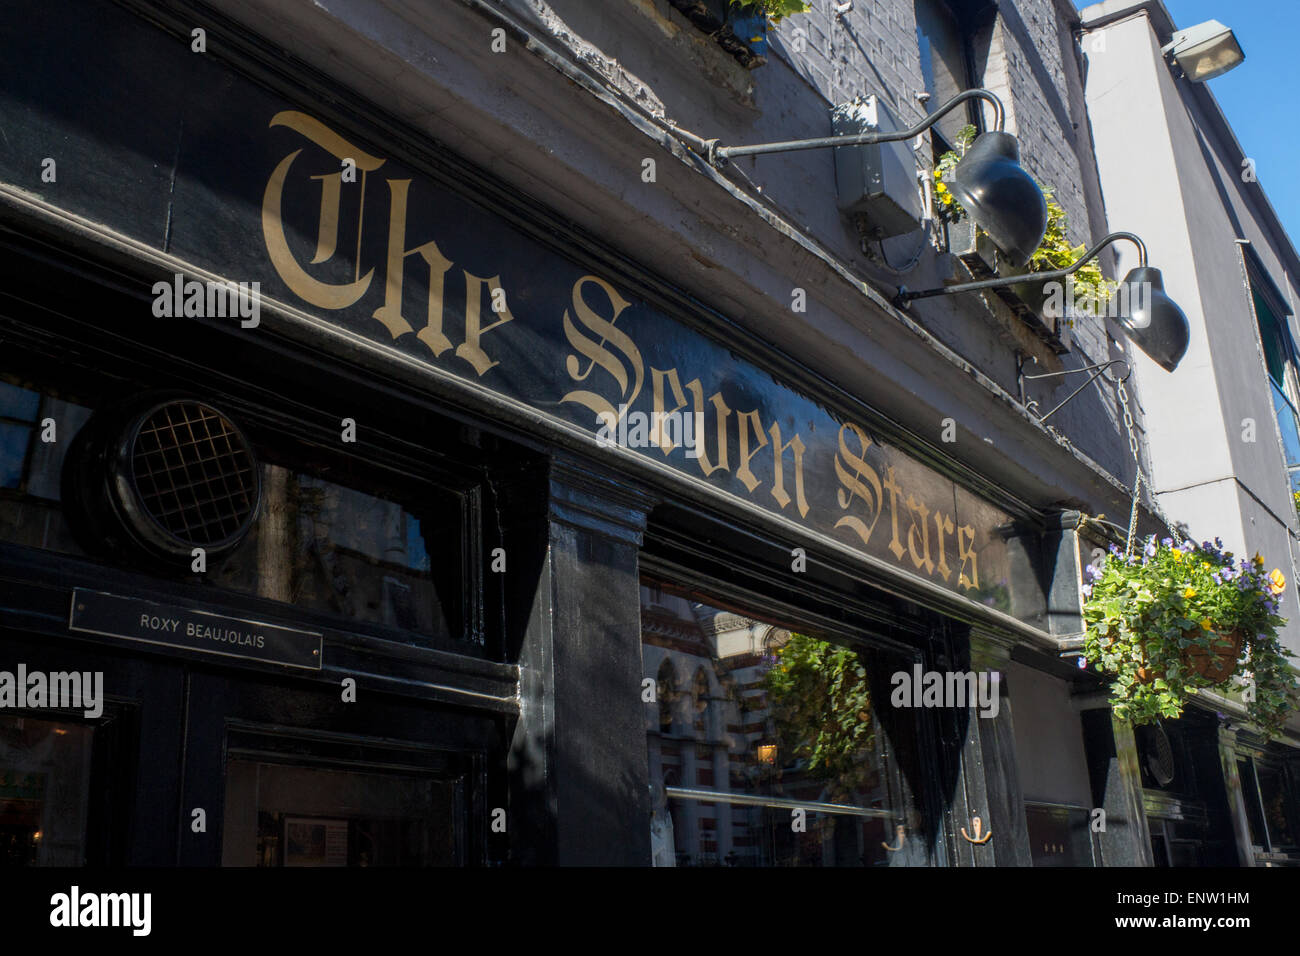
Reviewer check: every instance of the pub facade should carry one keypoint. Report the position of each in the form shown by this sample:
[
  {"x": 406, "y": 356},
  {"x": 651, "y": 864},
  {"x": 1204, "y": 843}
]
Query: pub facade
[{"x": 438, "y": 461}]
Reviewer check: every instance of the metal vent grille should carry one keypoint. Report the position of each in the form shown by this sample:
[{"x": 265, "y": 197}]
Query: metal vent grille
[{"x": 194, "y": 474}]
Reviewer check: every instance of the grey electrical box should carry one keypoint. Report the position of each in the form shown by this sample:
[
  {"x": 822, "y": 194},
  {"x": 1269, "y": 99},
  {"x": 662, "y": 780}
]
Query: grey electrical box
[{"x": 876, "y": 182}]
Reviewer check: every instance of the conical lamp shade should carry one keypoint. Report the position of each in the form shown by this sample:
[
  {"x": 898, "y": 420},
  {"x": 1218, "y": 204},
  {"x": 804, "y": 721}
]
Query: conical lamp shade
[
  {"x": 1000, "y": 197},
  {"x": 1151, "y": 319}
]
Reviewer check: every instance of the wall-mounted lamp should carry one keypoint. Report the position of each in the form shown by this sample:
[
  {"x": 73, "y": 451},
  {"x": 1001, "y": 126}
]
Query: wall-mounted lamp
[
  {"x": 989, "y": 182},
  {"x": 1151, "y": 319},
  {"x": 1204, "y": 51}
]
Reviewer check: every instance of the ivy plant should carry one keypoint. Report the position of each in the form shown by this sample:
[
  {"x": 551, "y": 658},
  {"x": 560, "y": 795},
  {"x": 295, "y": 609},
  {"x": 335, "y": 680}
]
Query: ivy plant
[
  {"x": 1147, "y": 615},
  {"x": 774, "y": 10},
  {"x": 820, "y": 700}
]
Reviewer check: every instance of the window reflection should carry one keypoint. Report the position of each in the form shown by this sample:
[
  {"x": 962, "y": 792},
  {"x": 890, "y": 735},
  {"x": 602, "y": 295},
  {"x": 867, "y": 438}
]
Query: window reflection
[
  {"x": 288, "y": 815},
  {"x": 763, "y": 745},
  {"x": 944, "y": 66},
  {"x": 318, "y": 544},
  {"x": 331, "y": 548},
  {"x": 44, "y": 791}
]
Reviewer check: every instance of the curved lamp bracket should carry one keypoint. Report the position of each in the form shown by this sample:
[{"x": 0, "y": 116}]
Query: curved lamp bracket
[
  {"x": 719, "y": 155},
  {"x": 905, "y": 296}
]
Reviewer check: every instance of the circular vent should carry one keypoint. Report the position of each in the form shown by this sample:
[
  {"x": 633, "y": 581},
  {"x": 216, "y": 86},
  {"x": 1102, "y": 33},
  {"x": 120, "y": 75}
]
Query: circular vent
[
  {"x": 192, "y": 475},
  {"x": 1159, "y": 754}
]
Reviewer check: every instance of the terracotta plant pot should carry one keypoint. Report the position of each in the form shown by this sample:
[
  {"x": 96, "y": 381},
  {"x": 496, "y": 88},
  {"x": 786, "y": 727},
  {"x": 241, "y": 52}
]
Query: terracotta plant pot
[{"x": 1219, "y": 664}]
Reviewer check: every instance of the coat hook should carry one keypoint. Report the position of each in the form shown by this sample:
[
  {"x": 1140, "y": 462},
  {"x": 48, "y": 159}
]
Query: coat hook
[
  {"x": 901, "y": 832},
  {"x": 977, "y": 824}
]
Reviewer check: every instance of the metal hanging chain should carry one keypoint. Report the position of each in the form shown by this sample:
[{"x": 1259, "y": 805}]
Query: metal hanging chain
[
  {"x": 1137, "y": 471},
  {"x": 1137, "y": 464}
]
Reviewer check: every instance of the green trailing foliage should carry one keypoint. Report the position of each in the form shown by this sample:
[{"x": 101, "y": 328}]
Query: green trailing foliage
[
  {"x": 1151, "y": 616},
  {"x": 774, "y": 10},
  {"x": 821, "y": 702}
]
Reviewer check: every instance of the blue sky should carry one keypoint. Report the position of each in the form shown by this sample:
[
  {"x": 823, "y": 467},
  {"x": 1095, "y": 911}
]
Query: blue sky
[{"x": 1258, "y": 97}]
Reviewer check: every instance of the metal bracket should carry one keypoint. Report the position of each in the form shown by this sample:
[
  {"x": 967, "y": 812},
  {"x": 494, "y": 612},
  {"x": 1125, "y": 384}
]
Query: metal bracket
[{"x": 1099, "y": 371}]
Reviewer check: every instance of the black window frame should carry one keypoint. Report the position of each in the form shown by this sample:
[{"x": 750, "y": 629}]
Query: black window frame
[
  {"x": 1250, "y": 759},
  {"x": 968, "y": 18},
  {"x": 1259, "y": 285},
  {"x": 101, "y": 370}
]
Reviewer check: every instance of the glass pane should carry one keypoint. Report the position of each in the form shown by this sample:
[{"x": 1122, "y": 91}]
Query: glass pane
[
  {"x": 20, "y": 403},
  {"x": 44, "y": 791},
  {"x": 1058, "y": 836},
  {"x": 14, "y": 440},
  {"x": 752, "y": 722},
  {"x": 943, "y": 62},
  {"x": 323, "y": 546},
  {"x": 284, "y": 815},
  {"x": 1271, "y": 333},
  {"x": 1277, "y": 811},
  {"x": 1250, "y": 797},
  {"x": 1287, "y": 425}
]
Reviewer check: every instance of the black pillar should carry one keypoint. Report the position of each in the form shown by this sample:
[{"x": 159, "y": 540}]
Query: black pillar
[
  {"x": 990, "y": 771},
  {"x": 1116, "y": 780},
  {"x": 578, "y": 753}
]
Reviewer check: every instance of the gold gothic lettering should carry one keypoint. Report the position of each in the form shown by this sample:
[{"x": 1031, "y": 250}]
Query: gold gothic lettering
[
  {"x": 852, "y": 469},
  {"x": 342, "y": 295},
  {"x": 920, "y": 557},
  {"x": 598, "y": 342},
  {"x": 966, "y": 551},
  {"x": 860, "y": 480},
  {"x": 749, "y": 421},
  {"x": 595, "y": 351},
  {"x": 942, "y": 526},
  {"x": 321, "y": 294},
  {"x": 778, "y": 465},
  {"x": 721, "y": 413}
]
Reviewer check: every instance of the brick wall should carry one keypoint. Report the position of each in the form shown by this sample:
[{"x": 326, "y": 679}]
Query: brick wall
[
  {"x": 870, "y": 49},
  {"x": 1027, "y": 55}
]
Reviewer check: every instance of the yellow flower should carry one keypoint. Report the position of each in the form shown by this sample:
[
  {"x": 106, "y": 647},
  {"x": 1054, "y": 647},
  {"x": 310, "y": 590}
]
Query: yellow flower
[
  {"x": 1178, "y": 555},
  {"x": 1277, "y": 581},
  {"x": 1259, "y": 560},
  {"x": 1206, "y": 624},
  {"x": 940, "y": 188},
  {"x": 1190, "y": 593},
  {"x": 1206, "y": 565}
]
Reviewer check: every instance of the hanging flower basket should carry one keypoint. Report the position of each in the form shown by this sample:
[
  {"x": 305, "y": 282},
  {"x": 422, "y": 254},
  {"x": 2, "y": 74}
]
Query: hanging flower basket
[
  {"x": 1217, "y": 664},
  {"x": 1171, "y": 620}
]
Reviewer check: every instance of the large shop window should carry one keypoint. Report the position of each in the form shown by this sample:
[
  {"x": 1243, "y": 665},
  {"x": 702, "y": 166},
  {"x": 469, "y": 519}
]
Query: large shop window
[
  {"x": 765, "y": 743},
  {"x": 336, "y": 534}
]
